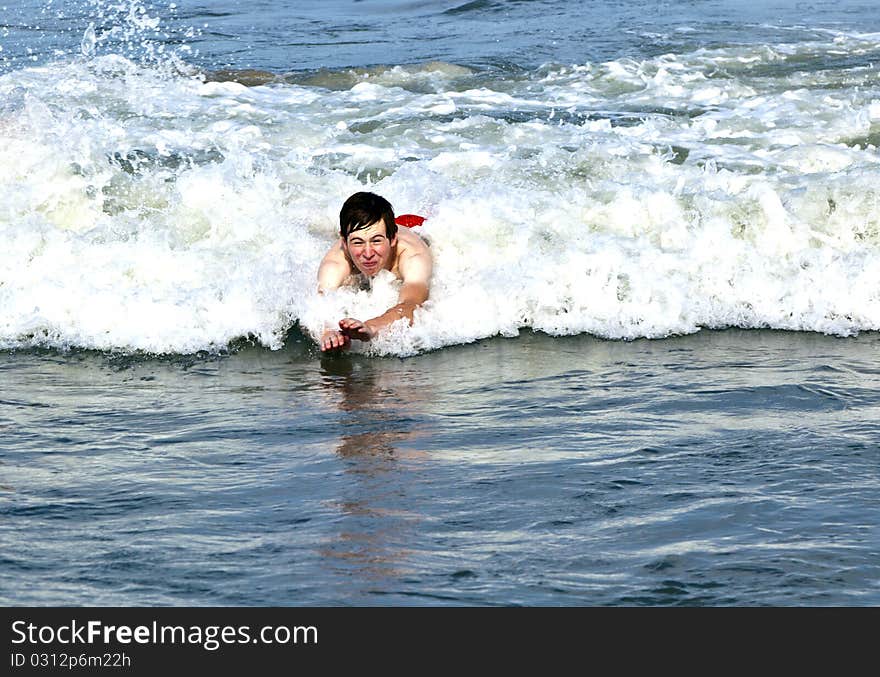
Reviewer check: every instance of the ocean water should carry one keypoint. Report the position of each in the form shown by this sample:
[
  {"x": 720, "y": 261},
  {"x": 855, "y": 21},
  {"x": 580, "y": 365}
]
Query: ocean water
[{"x": 647, "y": 371}]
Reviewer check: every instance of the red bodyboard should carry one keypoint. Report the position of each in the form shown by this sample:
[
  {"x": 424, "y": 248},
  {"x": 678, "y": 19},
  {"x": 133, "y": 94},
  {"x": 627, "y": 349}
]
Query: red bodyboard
[{"x": 409, "y": 220}]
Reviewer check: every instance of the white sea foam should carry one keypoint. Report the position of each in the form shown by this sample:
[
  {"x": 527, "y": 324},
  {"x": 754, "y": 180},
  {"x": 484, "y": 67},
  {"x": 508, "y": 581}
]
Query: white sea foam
[{"x": 145, "y": 211}]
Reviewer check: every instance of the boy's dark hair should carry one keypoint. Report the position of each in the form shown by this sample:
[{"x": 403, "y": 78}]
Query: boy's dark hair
[{"x": 362, "y": 210}]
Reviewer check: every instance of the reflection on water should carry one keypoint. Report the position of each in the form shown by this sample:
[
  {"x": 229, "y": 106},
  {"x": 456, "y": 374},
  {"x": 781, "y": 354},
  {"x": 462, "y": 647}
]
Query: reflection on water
[{"x": 380, "y": 410}]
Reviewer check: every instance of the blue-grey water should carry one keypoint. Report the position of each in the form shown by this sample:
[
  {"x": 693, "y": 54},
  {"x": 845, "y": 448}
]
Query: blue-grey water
[
  {"x": 664, "y": 391},
  {"x": 726, "y": 468}
]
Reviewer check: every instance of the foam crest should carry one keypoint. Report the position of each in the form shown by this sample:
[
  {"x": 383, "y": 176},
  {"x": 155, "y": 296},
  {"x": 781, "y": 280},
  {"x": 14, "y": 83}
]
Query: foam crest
[{"x": 149, "y": 210}]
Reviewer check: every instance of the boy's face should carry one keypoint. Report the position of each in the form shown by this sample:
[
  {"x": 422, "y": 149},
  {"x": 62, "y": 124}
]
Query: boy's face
[{"x": 370, "y": 249}]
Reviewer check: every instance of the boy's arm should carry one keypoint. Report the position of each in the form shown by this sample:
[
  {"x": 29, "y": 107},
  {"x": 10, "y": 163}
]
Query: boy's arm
[
  {"x": 332, "y": 273},
  {"x": 415, "y": 271}
]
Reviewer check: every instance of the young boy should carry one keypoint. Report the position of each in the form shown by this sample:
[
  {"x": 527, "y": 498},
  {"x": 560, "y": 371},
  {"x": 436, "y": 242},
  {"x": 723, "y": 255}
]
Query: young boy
[{"x": 370, "y": 242}]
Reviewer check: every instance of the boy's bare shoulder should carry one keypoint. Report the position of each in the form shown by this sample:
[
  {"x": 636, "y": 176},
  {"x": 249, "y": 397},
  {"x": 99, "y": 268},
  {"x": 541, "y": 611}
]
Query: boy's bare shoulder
[
  {"x": 414, "y": 261},
  {"x": 410, "y": 243},
  {"x": 335, "y": 269}
]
